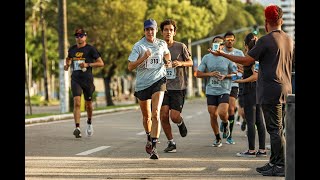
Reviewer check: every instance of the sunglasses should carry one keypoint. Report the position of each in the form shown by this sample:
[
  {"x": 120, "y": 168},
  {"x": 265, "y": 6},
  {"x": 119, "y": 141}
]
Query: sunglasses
[
  {"x": 230, "y": 39},
  {"x": 79, "y": 35}
]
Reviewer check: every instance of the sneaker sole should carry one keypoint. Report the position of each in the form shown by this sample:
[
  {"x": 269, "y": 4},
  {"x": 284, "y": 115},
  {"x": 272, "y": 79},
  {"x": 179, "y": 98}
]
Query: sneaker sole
[
  {"x": 172, "y": 151},
  {"x": 230, "y": 143},
  {"x": 217, "y": 145}
]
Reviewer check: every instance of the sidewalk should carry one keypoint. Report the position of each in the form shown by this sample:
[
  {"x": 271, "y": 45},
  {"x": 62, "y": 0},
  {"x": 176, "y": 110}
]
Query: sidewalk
[{"x": 56, "y": 110}]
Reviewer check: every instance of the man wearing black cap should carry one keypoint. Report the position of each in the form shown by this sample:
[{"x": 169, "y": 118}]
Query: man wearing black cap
[
  {"x": 82, "y": 57},
  {"x": 274, "y": 51}
]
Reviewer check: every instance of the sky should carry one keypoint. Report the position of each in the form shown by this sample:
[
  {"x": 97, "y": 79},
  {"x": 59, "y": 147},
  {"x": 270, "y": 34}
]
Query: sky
[{"x": 266, "y": 2}]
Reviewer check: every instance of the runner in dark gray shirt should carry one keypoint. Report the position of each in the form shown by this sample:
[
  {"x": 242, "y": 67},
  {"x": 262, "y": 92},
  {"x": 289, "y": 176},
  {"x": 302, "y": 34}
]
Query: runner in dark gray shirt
[
  {"x": 274, "y": 51},
  {"x": 177, "y": 79}
]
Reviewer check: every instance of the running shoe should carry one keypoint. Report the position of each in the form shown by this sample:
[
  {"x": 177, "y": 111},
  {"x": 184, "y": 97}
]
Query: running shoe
[
  {"x": 89, "y": 130},
  {"x": 261, "y": 154},
  {"x": 171, "y": 147},
  {"x": 217, "y": 143},
  {"x": 183, "y": 130},
  {"x": 77, "y": 132},
  {"x": 149, "y": 147},
  {"x": 246, "y": 154},
  {"x": 154, "y": 154},
  {"x": 230, "y": 141},
  {"x": 266, "y": 167},
  {"x": 226, "y": 131}
]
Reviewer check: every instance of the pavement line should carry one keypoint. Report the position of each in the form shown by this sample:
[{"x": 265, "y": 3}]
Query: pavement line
[
  {"x": 188, "y": 117},
  {"x": 74, "y": 170},
  {"x": 93, "y": 150},
  {"x": 234, "y": 169},
  {"x": 141, "y": 133},
  {"x": 46, "y": 160}
]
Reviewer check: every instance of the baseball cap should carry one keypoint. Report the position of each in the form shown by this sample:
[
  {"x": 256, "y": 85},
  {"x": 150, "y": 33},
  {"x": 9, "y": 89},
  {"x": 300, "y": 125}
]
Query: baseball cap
[
  {"x": 150, "y": 23},
  {"x": 80, "y": 31}
]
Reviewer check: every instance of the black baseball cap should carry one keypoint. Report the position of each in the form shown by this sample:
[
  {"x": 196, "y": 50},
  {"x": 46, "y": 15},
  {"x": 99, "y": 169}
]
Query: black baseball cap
[{"x": 80, "y": 31}]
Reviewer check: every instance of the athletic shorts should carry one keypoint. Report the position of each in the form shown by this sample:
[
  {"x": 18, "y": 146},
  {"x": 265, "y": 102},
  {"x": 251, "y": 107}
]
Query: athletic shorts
[
  {"x": 234, "y": 92},
  {"x": 87, "y": 87},
  {"x": 215, "y": 100},
  {"x": 174, "y": 99},
  {"x": 155, "y": 87}
]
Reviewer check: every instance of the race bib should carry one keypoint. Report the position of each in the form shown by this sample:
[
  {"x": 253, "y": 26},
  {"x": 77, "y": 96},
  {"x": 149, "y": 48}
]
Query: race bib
[
  {"x": 171, "y": 73},
  {"x": 76, "y": 65},
  {"x": 215, "y": 82},
  {"x": 153, "y": 62}
]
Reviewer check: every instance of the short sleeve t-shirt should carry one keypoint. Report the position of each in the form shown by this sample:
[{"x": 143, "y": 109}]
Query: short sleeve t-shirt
[
  {"x": 274, "y": 52},
  {"x": 235, "y": 52},
  {"x": 178, "y": 80},
  {"x": 152, "y": 69},
  {"x": 86, "y": 54},
  {"x": 212, "y": 63}
]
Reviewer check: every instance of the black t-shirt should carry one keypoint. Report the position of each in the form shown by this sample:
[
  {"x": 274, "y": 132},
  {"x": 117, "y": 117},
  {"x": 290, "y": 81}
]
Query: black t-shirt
[
  {"x": 87, "y": 54},
  {"x": 248, "y": 87},
  {"x": 274, "y": 52}
]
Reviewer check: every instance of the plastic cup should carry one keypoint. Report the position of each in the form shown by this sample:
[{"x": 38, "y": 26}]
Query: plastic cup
[{"x": 215, "y": 46}]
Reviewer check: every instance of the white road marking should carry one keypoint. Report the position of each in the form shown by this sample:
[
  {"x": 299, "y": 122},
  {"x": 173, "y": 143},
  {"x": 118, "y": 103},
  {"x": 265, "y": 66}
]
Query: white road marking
[
  {"x": 188, "y": 117},
  {"x": 92, "y": 150},
  {"x": 234, "y": 169},
  {"x": 141, "y": 133}
]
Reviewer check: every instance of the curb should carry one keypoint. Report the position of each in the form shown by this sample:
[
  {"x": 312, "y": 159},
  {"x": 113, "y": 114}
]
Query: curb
[{"x": 70, "y": 116}]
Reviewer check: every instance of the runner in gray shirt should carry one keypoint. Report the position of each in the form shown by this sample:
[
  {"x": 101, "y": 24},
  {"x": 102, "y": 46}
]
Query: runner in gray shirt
[
  {"x": 147, "y": 58},
  {"x": 176, "y": 83}
]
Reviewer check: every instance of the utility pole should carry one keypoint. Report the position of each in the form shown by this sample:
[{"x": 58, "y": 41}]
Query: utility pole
[
  {"x": 63, "y": 75},
  {"x": 190, "y": 75},
  {"x": 27, "y": 84}
]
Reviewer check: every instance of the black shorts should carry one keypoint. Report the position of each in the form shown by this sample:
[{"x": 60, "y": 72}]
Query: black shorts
[
  {"x": 216, "y": 100},
  {"x": 234, "y": 92},
  {"x": 155, "y": 87},
  {"x": 87, "y": 87},
  {"x": 174, "y": 99}
]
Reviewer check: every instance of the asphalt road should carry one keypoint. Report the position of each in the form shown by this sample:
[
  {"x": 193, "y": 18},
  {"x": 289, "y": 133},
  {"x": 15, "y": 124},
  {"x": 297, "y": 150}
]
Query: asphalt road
[{"x": 116, "y": 150}]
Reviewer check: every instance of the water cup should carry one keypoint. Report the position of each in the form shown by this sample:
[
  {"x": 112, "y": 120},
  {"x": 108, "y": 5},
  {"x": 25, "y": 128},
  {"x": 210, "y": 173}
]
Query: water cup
[
  {"x": 256, "y": 66},
  {"x": 215, "y": 46},
  {"x": 84, "y": 69}
]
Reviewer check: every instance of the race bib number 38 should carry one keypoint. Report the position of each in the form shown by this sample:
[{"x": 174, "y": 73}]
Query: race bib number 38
[{"x": 153, "y": 62}]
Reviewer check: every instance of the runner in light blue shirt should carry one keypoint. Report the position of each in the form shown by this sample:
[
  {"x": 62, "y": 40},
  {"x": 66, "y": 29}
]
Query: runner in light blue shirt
[
  {"x": 147, "y": 58},
  {"x": 218, "y": 72}
]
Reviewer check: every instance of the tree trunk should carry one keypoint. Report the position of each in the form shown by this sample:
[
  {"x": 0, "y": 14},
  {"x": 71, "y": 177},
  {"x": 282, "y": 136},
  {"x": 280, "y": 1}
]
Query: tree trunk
[
  {"x": 44, "y": 55},
  {"x": 107, "y": 80}
]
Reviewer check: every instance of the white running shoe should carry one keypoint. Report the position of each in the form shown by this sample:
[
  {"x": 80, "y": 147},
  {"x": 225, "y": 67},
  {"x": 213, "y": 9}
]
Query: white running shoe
[{"x": 89, "y": 130}]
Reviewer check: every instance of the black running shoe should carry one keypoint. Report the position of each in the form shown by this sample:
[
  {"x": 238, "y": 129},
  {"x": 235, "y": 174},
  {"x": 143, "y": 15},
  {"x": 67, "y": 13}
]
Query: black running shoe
[
  {"x": 243, "y": 126},
  {"x": 261, "y": 154},
  {"x": 171, "y": 147},
  {"x": 183, "y": 129},
  {"x": 154, "y": 154},
  {"x": 266, "y": 167},
  {"x": 77, "y": 133},
  {"x": 275, "y": 171}
]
